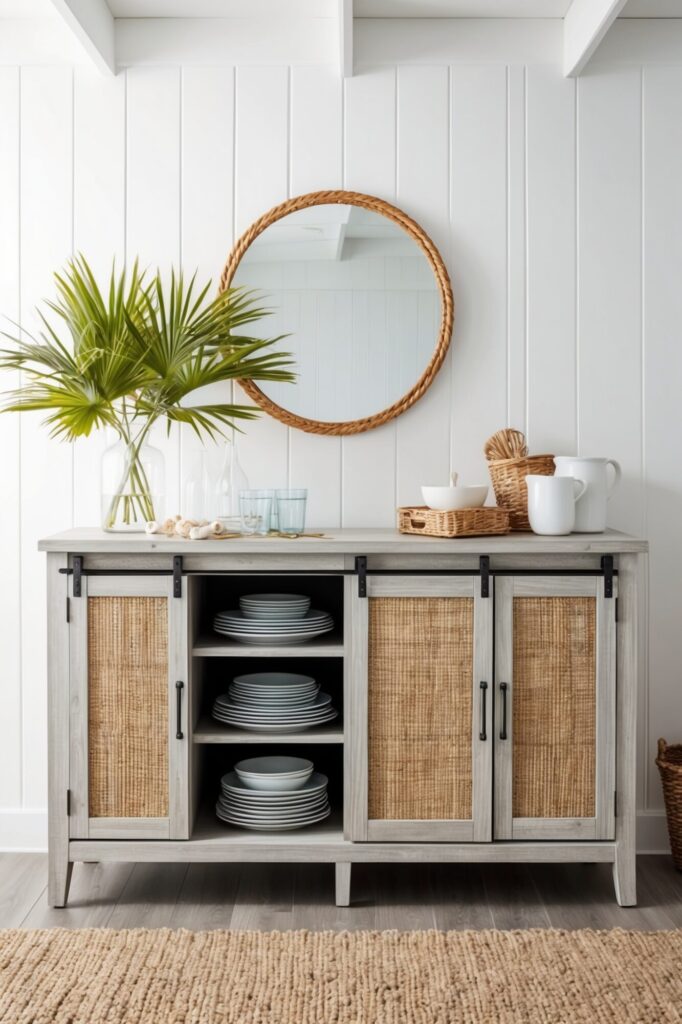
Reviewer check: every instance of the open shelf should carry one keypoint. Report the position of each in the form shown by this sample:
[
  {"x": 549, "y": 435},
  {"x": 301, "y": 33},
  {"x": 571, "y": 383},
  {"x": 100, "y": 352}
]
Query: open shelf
[
  {"x": 210, "y": 731},
  {"x": 208, "y": 646},
  {"x": 210, "y": 830}
]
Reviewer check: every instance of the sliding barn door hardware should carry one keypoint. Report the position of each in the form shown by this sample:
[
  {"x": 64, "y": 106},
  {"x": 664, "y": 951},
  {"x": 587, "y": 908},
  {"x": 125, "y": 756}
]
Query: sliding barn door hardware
[
  {"x": 177, "y": 575},
  {"x": 484, "y": 570},
  {"x": 77, "y": 573},
  {"x": 361, "y": 569}
]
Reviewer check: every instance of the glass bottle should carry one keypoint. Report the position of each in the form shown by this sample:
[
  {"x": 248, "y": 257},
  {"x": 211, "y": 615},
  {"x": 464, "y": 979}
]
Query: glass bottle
[
  {"x": 230, "y": 481},
  {"x": 196, "y": 499}
]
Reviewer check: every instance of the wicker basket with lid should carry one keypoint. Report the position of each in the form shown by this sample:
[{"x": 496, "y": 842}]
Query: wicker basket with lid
[{"x": 509, "y": 463}]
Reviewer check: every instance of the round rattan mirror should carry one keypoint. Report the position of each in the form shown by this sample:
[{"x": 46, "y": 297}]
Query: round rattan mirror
[{"x": 365, "y": 299}]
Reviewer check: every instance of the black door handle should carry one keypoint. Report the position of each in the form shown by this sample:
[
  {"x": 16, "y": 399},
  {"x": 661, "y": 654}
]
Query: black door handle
[
  {"x": 483, "y": 735},
  {"x": 504, "y": 687},
  {"x": 178, "y": 710}
]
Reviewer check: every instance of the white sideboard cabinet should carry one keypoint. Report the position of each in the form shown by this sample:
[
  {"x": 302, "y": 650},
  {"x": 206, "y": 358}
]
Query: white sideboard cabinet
[{"x": 487, "y": 690}]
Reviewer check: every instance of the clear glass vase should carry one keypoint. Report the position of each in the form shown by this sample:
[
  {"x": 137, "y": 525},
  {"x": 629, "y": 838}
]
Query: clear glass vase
[{"x": 133, "y": 481}]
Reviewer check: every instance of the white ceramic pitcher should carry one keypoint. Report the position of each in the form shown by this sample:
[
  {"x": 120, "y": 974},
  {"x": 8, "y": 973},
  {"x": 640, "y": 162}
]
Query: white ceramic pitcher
[
  {"x": 552, "y": 502},
  {"x": 590, "y": 512}
]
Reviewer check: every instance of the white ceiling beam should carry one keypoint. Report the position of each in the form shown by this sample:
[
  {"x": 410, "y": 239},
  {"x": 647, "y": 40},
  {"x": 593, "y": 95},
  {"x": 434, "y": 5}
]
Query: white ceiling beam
[
  {"x": 585, "y": 25},
  {"x": 345, "y": 23},
  {"x": 92, "y": 24}
]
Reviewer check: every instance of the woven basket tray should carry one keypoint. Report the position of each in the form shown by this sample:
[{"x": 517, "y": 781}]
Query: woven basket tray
[
  {"x": 669, "y": 762},
  {"x": 465, "y": 522}
]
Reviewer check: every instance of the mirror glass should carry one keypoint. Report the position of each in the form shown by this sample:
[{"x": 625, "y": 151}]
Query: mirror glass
[{"x": 359, "y": 301}]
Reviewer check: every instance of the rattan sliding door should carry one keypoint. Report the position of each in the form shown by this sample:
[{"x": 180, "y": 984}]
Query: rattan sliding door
[
  {"x": 555, "y": 706},
  {"x": 128, "y": 765},
  {"x": 422, "y": 742}
]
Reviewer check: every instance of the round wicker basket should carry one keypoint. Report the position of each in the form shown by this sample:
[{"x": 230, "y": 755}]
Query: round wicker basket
[
  {"x": 669, "y": 762},
  {"x": 509, "y": 483}
]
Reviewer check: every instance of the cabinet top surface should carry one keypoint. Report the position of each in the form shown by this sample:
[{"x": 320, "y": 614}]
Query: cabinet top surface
[{"x": 349, "y": 541}]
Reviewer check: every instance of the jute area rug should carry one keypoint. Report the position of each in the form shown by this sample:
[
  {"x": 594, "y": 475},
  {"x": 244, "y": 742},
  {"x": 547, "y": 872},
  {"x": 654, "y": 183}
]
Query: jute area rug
[{"x": 153, "y": 977}]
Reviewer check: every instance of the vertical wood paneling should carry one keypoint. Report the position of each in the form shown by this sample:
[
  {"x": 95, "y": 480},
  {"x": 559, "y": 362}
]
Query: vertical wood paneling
[
  {"x": 551, "y": 260},
  {"x": 207, "y": 170},
  {"x": 315, "y": 163},
  {"x": 261, "y": 181},
  {"x": 479, "y": 227},
  {"x": 98, "y": 232},
  {"x": 609, "y": 280},
  {"x": 262, "y": 127},
  {"x": 516, "y": 248},
  {"x": 488, "y": 165},
  {"x": 207, "y": 214},
  {"x": 663, "y": 363},
  {"x": 423, "y": 445},
  {"x": 153, "y": 207},
  {"x": 10, "y": 440},
  {"x": 316, "y": 129},
  {"x": 46, "y": 466},
  {"x": 369, "y": 460}
]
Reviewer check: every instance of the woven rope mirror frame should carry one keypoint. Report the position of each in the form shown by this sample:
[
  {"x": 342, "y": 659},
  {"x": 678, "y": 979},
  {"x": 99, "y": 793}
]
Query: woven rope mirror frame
[{"x": 434, "y": 258}]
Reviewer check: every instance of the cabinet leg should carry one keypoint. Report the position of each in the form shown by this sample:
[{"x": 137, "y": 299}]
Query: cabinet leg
[
  {"x": 343, "y": 884},
  {"x": 625, "y": 876},
  {"x": 59, "y": 879}
]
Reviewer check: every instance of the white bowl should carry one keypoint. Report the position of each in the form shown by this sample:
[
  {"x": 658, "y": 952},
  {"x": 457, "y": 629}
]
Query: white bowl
[
  {"x": 286, "y": 681},
  {"x": 274, "y": 600},
  {"x": 274, "y": 785},
  {"x": 275, "y": 773},
  {"x": 446, "y": 499}
]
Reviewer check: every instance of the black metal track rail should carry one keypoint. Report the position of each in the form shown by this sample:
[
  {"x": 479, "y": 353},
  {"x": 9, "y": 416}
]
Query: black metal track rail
[{"x": 360, "y": 569}]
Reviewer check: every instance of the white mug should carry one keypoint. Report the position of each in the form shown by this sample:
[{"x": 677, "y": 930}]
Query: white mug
[
  {"x": 551, "y": 503},
  {"x": 590, "y": 513}
]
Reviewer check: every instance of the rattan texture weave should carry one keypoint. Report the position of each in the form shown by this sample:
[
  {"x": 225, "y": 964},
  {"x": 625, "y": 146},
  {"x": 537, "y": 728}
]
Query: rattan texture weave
[
  {"x": 417, "y": 233},
  {"x": 128, "y": 707},
  {"x": 104, "y": 976},
  {"x": 554, "y": 707},
  {"x": 420, "y": 707},
  {"x": 463, "y": 522},
  {"x": 669, "y": 762},
  {"x": 509, "y": 483}
]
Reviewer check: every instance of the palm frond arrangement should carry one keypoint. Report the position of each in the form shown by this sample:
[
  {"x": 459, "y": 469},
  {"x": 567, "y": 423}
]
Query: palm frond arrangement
[{"x": 135, "y": 354}]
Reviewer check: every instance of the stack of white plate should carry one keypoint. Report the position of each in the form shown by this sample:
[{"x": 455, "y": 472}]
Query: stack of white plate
[
  {"x": 269, "y": 606},
  {"x": 272, "y": 619},
  {"x": 274, "y": 702},
  {"x": 273, "y": 794}
]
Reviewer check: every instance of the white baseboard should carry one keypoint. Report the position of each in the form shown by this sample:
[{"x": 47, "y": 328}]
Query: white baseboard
[
  {"x": 23, "y": 830},
  {"x": 652, "y": 832},
  {"x": 26, "y": 830}
]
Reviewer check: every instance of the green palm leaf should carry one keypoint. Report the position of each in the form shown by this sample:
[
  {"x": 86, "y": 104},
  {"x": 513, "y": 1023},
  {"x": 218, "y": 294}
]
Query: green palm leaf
[{"x": 134, "y": 352}]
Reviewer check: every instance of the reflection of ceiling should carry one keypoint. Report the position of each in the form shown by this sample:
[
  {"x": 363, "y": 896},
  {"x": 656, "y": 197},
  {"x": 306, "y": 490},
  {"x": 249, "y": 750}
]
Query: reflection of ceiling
[
  {"x": 327, "y": 8},
  {"x": 501, "y": 8},
  {"x": 222, "y": 8},
  {"x": 374, "y": 8},
  {"x": 323, "y": 233},
  {"x": 24, "y": 8}
]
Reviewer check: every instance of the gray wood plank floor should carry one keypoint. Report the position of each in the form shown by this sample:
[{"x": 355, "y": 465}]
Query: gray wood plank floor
[{"x": 284, "y": 896}]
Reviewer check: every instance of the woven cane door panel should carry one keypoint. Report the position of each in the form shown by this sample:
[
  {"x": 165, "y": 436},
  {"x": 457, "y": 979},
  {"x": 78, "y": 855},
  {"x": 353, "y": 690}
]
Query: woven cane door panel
[
  {"x": 420, "y": 708},
  {"x": 555, "y": 707},
  {"x": 128, "y": 707}
]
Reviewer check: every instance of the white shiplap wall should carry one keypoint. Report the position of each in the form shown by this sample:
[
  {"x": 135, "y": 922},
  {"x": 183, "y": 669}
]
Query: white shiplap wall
[{"x": 557, "y": 206}]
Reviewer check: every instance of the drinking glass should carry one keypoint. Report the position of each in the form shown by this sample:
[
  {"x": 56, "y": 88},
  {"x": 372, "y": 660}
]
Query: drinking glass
[
  {"x": 255, "y": 508},
  {"x": 291, "y": 510}
]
